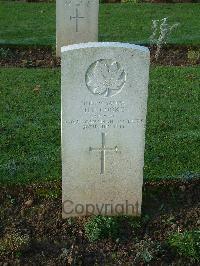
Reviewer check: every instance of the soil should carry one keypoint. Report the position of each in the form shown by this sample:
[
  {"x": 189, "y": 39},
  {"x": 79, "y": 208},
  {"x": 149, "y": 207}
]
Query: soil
[
  {"x": 35, "y": 211},
  {"x": 45, "y": 57},
  {"x": 31, "y": 227}
]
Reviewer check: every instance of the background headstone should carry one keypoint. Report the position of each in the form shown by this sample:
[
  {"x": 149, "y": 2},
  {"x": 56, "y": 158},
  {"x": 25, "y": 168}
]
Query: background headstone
[
  {"x": 76, "y": 22},
  {"x": 104, "y": 105}
]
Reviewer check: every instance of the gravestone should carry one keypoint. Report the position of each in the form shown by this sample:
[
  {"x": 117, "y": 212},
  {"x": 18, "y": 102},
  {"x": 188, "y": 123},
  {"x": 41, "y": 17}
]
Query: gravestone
[
  {"x": 104, "y": 105},
  {"x": 76, "y": 22}
]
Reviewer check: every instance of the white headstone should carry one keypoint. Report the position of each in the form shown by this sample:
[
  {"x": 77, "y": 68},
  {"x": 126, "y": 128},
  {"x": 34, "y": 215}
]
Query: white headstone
[
  {"x": 104, "y": 105},
  {"x": 76, "y": 22}
]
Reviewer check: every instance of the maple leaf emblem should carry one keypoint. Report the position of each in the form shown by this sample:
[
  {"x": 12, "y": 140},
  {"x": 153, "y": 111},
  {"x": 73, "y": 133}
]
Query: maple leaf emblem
[{"x": 105, "y": 78}]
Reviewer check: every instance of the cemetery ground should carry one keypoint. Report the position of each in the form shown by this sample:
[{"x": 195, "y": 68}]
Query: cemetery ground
[
  {"x": 117, "y": 22},
  {"x": 32, "y": 231}
]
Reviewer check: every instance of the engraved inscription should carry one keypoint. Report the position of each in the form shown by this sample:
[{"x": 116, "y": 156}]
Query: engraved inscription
[
  {"x": 99, "y": 108},
  {"x": 76, "y": 2},
  {"x": 103, "y": 150},
  {"x": 104, "y": 115},
  {"x": 77, "y": 19},
  {"x": 103, "y": 123},
  {"x": 105, "y": 77}
]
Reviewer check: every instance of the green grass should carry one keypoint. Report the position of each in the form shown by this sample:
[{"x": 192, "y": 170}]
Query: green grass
[
  {"x": 173, "y": 123},
  {"x": 34, "y": 24},
  {"x": 30, "y": 128},
  {"x": 186, "y": 244},
  {"x": 30, "y": 125}
]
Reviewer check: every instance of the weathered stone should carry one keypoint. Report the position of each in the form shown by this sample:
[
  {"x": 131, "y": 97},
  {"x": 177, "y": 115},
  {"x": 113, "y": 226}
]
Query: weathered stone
[
  {"x": 104, "y": 105},
  {"x": 76, "y": 22}
]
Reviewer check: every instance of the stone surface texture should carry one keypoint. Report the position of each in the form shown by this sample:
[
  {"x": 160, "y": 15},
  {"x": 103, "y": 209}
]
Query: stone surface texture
[
  {"x": 76, "y": 22},
  {"x": 104, "y": 106}
]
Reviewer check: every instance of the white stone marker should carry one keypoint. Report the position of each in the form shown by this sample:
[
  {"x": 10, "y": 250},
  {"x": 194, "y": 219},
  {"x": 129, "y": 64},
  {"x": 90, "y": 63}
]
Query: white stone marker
[
  {"x": 76, "y": 22},
  {"x": 104, "y": 105}
]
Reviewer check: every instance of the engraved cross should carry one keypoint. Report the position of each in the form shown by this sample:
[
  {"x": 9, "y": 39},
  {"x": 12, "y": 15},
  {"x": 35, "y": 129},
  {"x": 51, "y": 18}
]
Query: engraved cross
[
  {"x": 103, "y": 150},
  {"x": 77, "y": 19}
]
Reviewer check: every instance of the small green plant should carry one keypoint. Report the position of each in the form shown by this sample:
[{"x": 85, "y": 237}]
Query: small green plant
[
  {"x": 14, "y": 243},
  {"x": 186, "y": 244},
  {"x": 193, "y": 56},
  {"x": 146, "y": 251},
  {"x": 5, "y": 53},
  {"x": 135, "y": 222},
  {"x": 146, "y": 256},
  {"x": 100, "y": 227}
]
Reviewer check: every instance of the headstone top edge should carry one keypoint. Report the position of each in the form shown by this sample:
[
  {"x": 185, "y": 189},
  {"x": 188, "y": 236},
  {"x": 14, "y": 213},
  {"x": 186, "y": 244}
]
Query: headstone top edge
[{"x": 105, "y": 44}]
